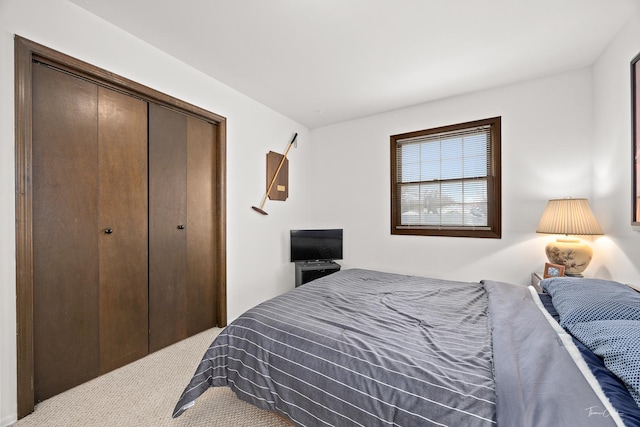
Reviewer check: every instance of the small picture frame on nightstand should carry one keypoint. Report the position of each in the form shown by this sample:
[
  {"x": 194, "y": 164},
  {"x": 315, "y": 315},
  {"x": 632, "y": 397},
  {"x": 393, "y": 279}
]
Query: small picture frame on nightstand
[{"x": 553, "y": 270}]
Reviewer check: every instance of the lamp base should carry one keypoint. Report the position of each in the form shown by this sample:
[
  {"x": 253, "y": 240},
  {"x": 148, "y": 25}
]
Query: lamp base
[{"x": 574, "y": 254}]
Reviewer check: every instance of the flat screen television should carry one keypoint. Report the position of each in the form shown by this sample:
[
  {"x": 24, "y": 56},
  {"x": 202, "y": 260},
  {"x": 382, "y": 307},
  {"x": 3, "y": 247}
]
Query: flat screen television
[{"x": 316, "y": 245}]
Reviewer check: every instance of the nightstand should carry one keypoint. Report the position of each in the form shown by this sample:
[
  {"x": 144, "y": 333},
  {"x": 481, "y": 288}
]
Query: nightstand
[{"x": 536, "y": 277}]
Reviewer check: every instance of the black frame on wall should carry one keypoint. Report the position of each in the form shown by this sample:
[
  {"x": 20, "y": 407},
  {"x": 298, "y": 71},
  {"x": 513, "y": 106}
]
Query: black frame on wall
[{"x": 635, "y": 139}]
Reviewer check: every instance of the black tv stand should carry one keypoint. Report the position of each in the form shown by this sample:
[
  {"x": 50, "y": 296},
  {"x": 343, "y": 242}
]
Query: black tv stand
[{"x": 307, "y": 271}]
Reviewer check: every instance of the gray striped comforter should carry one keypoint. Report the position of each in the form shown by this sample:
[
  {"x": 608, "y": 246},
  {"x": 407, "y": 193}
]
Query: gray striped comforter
[
  {"x": 360, "y": 348},
  {"x": 363, "y": 348}
]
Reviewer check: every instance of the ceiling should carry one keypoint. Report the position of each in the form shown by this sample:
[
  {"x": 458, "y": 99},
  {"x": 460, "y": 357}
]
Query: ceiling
[{"x": 321, "y": 62}]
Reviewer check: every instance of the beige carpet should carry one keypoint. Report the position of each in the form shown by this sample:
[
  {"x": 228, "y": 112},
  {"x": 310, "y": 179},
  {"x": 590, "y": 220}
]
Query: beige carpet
[{"x": 145, "y": 392}]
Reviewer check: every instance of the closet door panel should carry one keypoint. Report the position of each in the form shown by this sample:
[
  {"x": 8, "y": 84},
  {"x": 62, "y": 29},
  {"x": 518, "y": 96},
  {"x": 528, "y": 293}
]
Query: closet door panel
[
  {"x": 200, "y": 228},
  {"x": 65, "y": 246},
  {"x": 123, "y": 228},
  {"x": 167, "y": 213}
]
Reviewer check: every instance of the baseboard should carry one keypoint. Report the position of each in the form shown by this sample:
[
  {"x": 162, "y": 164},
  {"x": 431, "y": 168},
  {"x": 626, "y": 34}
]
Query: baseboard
[{"x": 8, "y": 420}]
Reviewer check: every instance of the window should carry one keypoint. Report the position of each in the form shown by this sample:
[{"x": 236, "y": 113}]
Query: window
[{"x": 446, "y": 181}]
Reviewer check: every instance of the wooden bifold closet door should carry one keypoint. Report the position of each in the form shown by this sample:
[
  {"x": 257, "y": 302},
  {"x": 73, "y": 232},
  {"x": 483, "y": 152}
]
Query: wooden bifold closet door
[
  {"x": 120, "y": 221},
  {"x": 89, "y": 230},
  {"x": 181, "y": 227},
  {"x": 123, "y": 228}
]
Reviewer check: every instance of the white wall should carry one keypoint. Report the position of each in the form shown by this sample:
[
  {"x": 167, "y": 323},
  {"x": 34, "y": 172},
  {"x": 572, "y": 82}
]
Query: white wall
[
  {"x": 257, "y": 255},
  {"x": 558, "y": 134},
  {"x": 546, "y": 153},
  {"x": 565, "y": 135},
  {"x": 618, "y": 253}
]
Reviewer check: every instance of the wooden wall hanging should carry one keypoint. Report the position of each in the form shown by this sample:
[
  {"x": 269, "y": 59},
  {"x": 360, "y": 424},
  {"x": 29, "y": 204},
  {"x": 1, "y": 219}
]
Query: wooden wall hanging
[
  {"x": 280, "y": 187},
  {"x": 277, "y": 177}
]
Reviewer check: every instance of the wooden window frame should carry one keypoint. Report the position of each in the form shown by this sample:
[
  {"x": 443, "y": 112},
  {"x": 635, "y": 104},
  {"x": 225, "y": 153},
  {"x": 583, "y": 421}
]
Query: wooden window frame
[{"x": 493, "y": 229}]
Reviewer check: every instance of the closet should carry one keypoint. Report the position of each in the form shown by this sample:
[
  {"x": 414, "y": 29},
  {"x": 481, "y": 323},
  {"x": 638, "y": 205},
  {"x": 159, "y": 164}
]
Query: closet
[
  {"x": 123, "y": 229},
  {"x": 180, "y": 226},
  {"x": 89, "y": 230}
]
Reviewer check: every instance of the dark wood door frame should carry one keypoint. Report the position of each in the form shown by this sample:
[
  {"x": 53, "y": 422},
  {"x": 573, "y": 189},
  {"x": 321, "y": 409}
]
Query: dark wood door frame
[{"x": 26, "y": 52}]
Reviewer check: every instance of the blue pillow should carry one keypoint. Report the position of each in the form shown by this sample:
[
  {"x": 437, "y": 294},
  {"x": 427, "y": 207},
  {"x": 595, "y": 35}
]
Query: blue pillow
[
  {"x": 583, "y": 300},
  {"x": 618, "y": 343},
  {"x": 613, "y": 387}
]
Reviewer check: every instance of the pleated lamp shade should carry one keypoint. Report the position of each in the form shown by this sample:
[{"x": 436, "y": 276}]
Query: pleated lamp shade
[{"x": 569, "y": 217}]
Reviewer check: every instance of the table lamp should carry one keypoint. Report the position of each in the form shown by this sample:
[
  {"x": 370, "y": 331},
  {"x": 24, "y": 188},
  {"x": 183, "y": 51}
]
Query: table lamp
[{"x": 569, "y": 217}]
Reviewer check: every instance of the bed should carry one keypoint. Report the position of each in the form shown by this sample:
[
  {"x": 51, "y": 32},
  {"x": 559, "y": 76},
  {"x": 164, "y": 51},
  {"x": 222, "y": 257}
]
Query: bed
[{"x": 368, "y": 348}]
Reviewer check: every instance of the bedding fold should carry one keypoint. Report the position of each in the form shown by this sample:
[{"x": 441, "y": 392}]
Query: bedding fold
[{"x": 537, "y": 374}]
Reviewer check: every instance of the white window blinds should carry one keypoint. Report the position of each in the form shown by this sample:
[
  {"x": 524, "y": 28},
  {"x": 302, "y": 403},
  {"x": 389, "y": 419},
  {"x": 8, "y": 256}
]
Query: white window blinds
[{"x": 443, "y": 179}]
